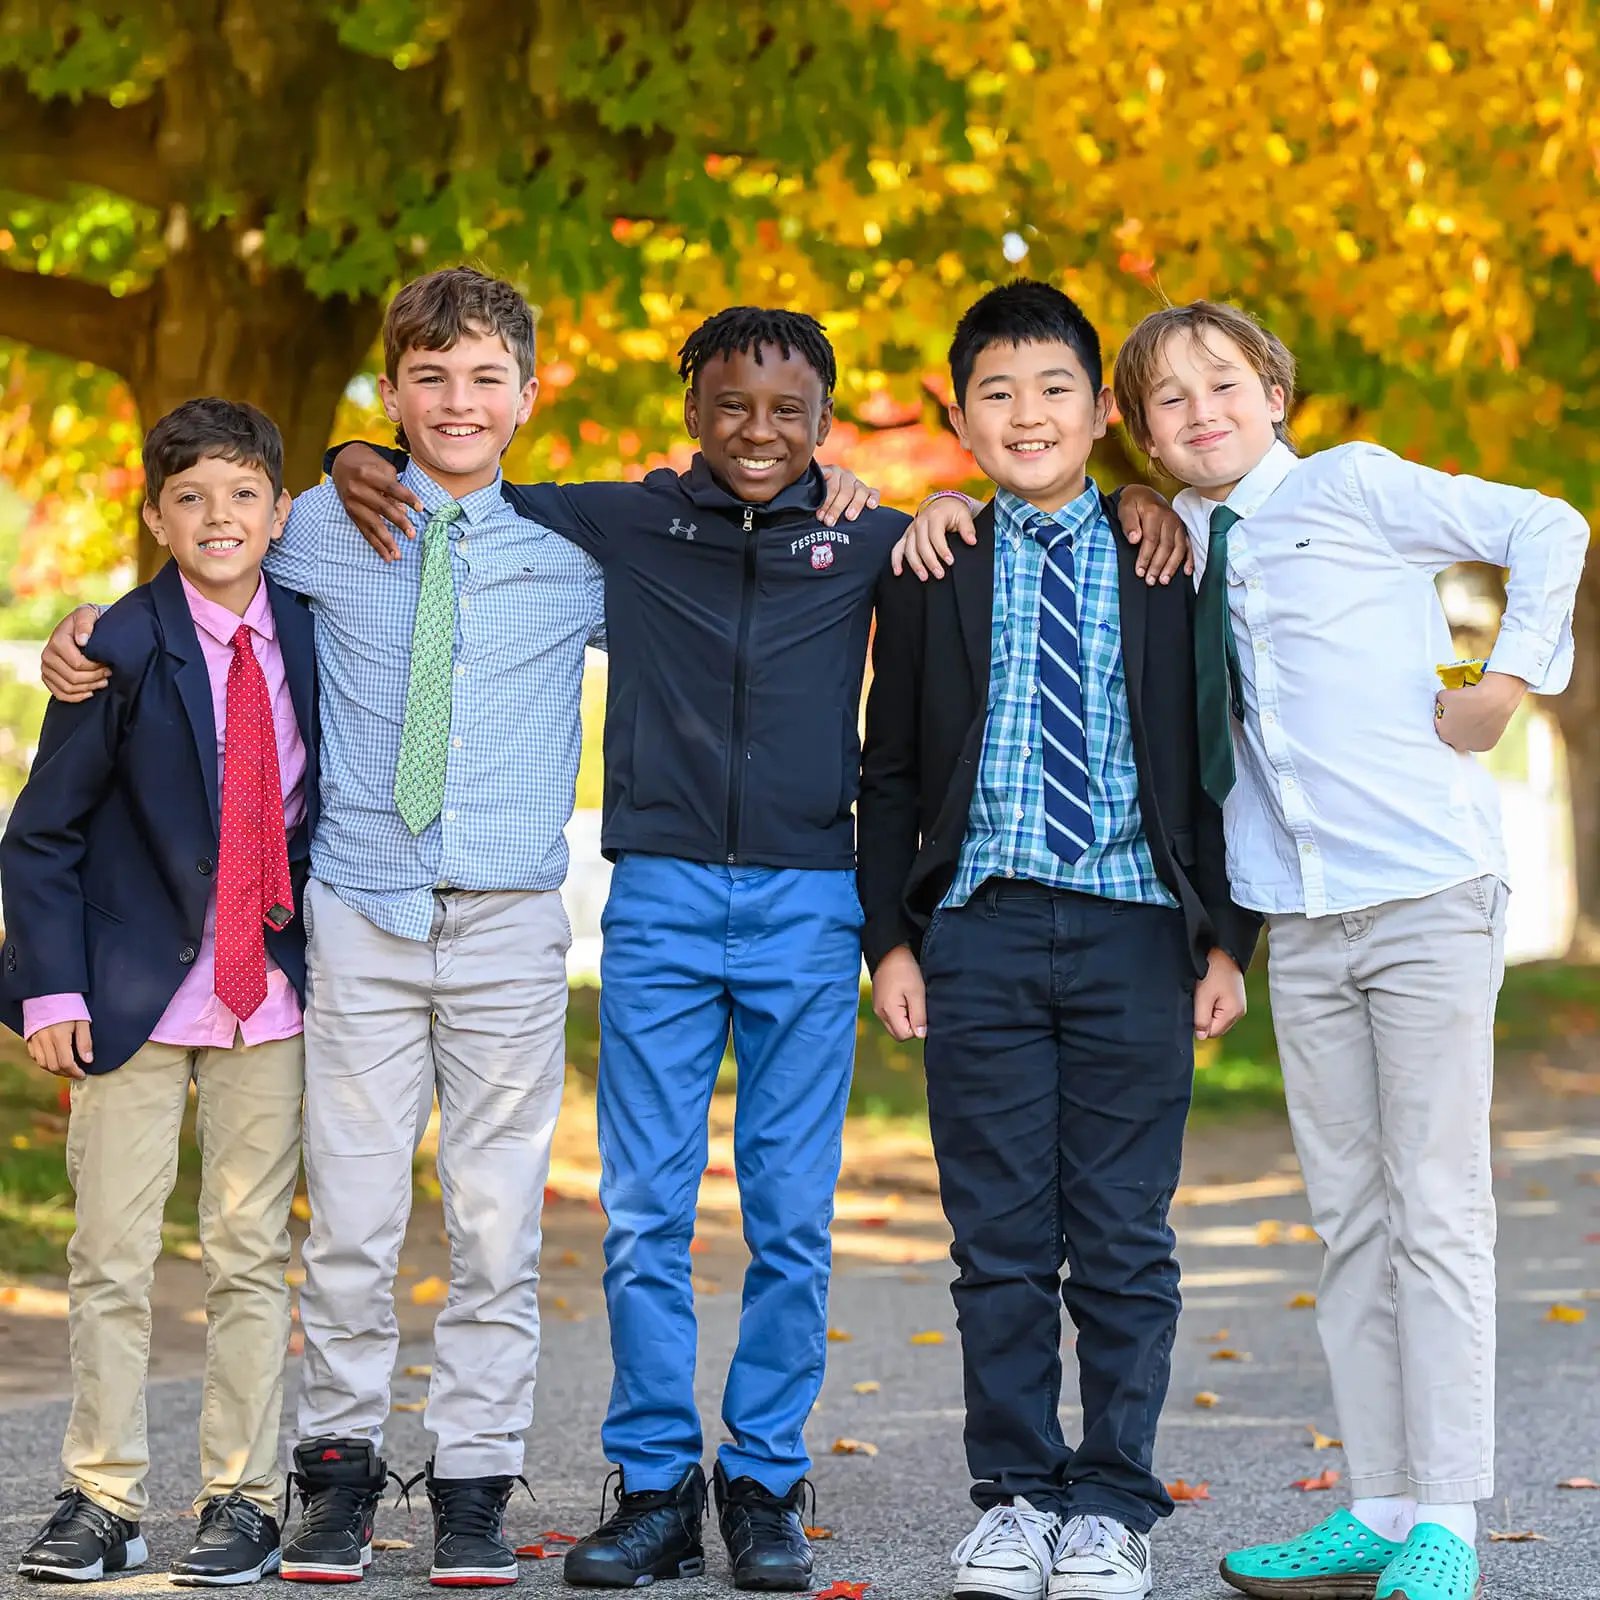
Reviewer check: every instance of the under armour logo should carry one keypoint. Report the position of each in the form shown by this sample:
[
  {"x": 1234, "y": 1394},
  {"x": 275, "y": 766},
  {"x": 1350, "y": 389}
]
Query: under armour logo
[{"x": 679, "y": 531}]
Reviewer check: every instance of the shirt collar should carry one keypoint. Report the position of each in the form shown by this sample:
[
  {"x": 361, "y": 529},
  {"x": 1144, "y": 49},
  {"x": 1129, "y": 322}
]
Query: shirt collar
[
  {"x": 476, "y": 507},
  {"x": 1251, "y": 492},
  {"x": 1011, "y": 512},
  {"x": 220, "y": 623}
]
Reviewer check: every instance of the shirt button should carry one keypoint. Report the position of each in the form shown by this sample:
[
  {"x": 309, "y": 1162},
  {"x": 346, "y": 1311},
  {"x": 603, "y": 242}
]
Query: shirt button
[
  {"x": 1011, "y": 872},
  {"x": 449, "y": 816},
  {"x": 462, "y": 541},
  {"x": 466, "y": 601},
  {"x": 203, "y": 866},
  {"x": 1288, "y": 783},
  {"x": 1308, "y": 849},
  {"x": 444, "y": 883},
  {"x": 461, "y": 670},
  {"x": 186, "y": 955},
  {"x": 1269, "y": 719},
  {"x": 455, "y": 744},
  {"x": 1022, "y": 816},
  {"x": 1026, "y": 754}
]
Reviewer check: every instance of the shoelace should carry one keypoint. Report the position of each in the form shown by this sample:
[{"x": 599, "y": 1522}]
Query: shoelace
[
  {"x": 1086, "y": 1534},
  {"x": 77, "y": 1508},
  {"x": 232, "y": 1511},
  {"x": 1002, "y": 1529},
  {"x": 767, "y": 1511},
  {"x": 477, "y": 1506},
  {"x": 331, "y": 1505},
  {"x": 631, "y": 1507}
]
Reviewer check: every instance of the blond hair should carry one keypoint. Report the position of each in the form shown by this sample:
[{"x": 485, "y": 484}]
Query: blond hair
[{"x": 1141, "y": 366}]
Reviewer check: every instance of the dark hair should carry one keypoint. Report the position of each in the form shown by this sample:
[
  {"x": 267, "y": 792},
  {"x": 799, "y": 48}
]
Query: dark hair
[
  {"x": 747, "y": 328},
  {"x": 1023, "y": 312},
  {"x": 199, "y": 430},
  {"x": 434, "y": 311}
]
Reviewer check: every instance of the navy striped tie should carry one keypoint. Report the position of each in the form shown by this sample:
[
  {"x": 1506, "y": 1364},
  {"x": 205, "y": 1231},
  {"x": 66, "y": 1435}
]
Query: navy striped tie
[{"x": 1069, "y": 822}]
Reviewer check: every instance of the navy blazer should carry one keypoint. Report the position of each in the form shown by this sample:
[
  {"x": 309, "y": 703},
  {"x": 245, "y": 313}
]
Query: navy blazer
[{"x": 108, "y": 862}]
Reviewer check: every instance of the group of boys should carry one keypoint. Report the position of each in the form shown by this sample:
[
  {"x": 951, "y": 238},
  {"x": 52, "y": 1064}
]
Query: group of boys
[{"x": 296, "y": 783}]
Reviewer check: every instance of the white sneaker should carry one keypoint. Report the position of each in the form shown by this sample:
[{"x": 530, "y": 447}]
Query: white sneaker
[
  {"x": 1008, "y": 1554},
  {"x": 1097, "y": 1558}
]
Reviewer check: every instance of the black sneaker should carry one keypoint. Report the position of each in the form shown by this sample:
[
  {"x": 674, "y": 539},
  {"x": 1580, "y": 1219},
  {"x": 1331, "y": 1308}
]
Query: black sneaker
[
  {"x": 470, "y": 1548},
  {"x": 652, "y": 1534},
  {"x": 237, "y": 1543},
  {"x": 82, "y": 1542},
  {"x": 766, "y": 1539},
  {"x": 339, "y": 1482}
]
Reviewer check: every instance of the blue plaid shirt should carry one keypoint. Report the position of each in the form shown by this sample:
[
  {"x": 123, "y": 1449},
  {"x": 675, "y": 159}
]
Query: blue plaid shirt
[
  {"x": 527, "y": 602},
  {"x": 1005, "y": 828}
]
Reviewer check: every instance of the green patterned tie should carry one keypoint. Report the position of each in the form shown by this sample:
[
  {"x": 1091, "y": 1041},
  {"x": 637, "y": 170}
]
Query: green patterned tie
[
  {"x": 1216, "y": 664},
  {"x": 425, "y": 739}
]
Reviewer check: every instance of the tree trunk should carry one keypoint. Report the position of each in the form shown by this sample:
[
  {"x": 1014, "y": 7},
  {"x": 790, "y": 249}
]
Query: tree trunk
[
  {"x": 215, "y": 324},
  {"x": 1578, "y": 713}
]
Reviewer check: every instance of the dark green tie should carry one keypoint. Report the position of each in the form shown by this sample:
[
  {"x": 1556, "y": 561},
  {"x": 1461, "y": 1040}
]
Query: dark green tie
[{"x": 1216, "y": 664}]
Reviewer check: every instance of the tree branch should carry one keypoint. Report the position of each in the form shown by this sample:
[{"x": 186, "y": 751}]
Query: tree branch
[
  {"x": 69, "y": 317},
  {"x": 53, "y": 144}
]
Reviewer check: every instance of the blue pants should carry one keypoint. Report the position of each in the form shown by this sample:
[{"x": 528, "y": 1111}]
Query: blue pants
[{"x": 691, "y": 950}]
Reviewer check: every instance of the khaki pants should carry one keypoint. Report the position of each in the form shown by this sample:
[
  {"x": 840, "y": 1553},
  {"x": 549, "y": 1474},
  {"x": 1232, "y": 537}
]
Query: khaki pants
[
  {"x": 1385, "y": 1024},
  {"x": 122, "y": 1160},
  {"x": 478, "y": 1011}
]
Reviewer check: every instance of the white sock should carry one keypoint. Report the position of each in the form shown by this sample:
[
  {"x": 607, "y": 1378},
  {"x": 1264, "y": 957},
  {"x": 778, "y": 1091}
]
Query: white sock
[
  {"x": 1461, "y": 1520},
  {"x": 1390, "y": 1516}
]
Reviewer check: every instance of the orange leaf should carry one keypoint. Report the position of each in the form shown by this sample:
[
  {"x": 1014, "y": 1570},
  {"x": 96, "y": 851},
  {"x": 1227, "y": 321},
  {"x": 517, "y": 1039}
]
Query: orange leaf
[
  {"x": 300, "y": 1207},
  {"x": 1561, "y": 1313},
  {"x": 1323, "y": 1480},
  {"x": 839, "y": 1336},
  {"x": 550, "y": 1536},
  {"x": 928, "y": 1336},
  {"x": 1231, "y": 1355},
  {"x": 536, "y": 1552},
  {"x": 1304, "y": 1233},
  {"x": 844, "y": 1590},
  {"x": 867, "y": 1386},
  {"x": 854, "y": 1447},
  {"x": 1269, "y": 1232},
  {"x": 872, "y": 1222},
  {"x": 1527, "y": 1537},
  {"x": 1221, "y": 1336},
  {"x": 430, "y": 1291},
  {"x": 698, "y": 1247},
  {"x": 1321, "y": 1441},
  {"x": 1578, "y": 1483},
  {"x": 391, "y": 1544},
  {"x": 1302, "y": 1302},
  {"x": 819, "y": 1533},
  {"x": 719, "y": 1172},
  {"x": 409, "y": 1405},
  {"x": 1182, "y": 1491},
  {"x": 1205, "y": 1399},
  {"x": 570, "y": 1258},
  {"x": 416, "y": 1372}
]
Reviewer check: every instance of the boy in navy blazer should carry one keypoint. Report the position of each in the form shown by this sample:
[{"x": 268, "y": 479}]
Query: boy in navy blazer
[{"x": 152, "y": 872}]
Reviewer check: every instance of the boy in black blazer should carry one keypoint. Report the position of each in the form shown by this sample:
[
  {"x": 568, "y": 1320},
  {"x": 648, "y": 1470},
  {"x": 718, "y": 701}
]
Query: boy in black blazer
[
  {"x": 1045, "y": 896},
  {"x": 152, "y": 872}
]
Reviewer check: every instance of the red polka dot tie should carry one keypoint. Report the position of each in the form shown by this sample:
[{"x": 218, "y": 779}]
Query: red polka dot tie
[{"x": 253, "y": 888}]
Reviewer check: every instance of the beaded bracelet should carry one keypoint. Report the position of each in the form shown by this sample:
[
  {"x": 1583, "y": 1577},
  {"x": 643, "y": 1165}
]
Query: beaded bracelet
[{"x": 940, "y": 494}]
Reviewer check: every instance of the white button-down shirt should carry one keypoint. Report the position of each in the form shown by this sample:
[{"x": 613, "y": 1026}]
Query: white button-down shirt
[{"x": 1346, "y": 798}]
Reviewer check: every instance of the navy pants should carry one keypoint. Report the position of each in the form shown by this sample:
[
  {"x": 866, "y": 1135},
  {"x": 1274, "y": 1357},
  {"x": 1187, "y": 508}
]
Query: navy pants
[
  {"x": 693, "y": 954},
  {"x": 1060, "y": 1062}
]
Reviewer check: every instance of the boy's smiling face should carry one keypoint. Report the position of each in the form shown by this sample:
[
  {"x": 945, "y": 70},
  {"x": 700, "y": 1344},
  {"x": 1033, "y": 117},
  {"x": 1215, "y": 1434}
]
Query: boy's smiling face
[
  {"x": 217, "y": 518},
  {"x": 459, "y": 408},
  {"x": 758, "y": 423},
  {"x": 1210, "y": 417},
  {"x": 1030, "y": 417}
]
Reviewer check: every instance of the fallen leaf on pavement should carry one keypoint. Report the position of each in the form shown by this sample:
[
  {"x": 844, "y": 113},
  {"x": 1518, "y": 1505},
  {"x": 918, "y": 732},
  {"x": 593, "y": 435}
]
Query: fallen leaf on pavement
[
  {"x": 1269, "y": 1232},
  {"x": 569, "y": 1258},
  {"x": 1302, "y": 1302},
  {"x": 1537, "y": 1191},
  {"x": 839, "y": 1336},
  {"x": 536, "y": 1552},
  {"x": 1221, "y": 1336},
  {"x": 1578, "y": 1483},
  {"x": 1322, "y": 1441},
  {"x": 552, "y": 1195},
  {"x": 819, "y": 1533},
  {"x": 854, "y": 1447},
  {"x": 1206, "y": 1399},
  {"x": 416, "y": 1372},
  {"x": 294, "y": 1277},
  {"x": 1231, "y": 1355},
  {"x": 719, "y": 1172},
  {"x": 867, "y": 1386},
  {"x": 1304, "y": 1233},
  {"x": 300, "y": 1207},
  {"x": 844, "y": 1590},
  {"x": 704, "y": 1285},
  {"x": 928, "y": 1336},
  {"x": 1323, "y": 1480},
  {"x": 1528, "y": 1536},
  {"x": 1181, "y": 1490},
  {"x": 1591, "y": 1238},
  {"x": 391, "y": 1544},
  {"x": 698, "y": 1247},
  {"x": 409, "y": 1405},
  {"x": 297, "y": 1343},
  {"x": 430, "y": 1291},
  {"x": 1561, "y": 1313}
]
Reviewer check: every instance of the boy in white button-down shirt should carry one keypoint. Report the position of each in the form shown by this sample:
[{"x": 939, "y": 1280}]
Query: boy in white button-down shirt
[{"x": 1359, "y": 821}]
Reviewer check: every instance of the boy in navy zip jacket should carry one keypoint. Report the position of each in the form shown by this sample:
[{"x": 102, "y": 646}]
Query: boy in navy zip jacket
[{"x": 737, "y": 622}]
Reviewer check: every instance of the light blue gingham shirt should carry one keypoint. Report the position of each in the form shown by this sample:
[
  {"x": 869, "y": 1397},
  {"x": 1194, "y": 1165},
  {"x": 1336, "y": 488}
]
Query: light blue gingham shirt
[
  {"x": 1005, "y": 827},
  {"x": 527, "y": 603}
]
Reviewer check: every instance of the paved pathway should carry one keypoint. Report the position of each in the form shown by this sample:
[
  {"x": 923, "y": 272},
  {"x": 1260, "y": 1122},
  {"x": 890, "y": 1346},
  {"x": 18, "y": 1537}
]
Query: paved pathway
[{"x": 896, "y": 1515}]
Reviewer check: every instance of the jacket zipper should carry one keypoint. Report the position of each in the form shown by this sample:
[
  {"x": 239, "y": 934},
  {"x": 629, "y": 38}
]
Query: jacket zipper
[{"x": 736, "y": 753}]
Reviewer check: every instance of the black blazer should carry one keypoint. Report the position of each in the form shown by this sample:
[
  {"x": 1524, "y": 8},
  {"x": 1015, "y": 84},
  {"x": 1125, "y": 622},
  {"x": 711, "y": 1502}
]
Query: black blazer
[
  {"x": 925, "y": 725},
  {"x": 107, "y": 864}
]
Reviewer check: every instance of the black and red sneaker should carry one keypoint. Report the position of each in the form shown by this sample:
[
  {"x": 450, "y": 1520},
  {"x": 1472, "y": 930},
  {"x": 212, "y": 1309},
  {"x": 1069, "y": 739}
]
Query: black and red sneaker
[
  {"x": 340, "y": 1482},
  {"x": 470, "y": 1548}
]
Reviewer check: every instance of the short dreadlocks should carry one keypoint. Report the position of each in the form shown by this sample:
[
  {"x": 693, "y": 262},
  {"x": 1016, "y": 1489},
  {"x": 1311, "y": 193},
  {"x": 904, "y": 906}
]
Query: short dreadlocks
[{"x": 747, "y": 328}]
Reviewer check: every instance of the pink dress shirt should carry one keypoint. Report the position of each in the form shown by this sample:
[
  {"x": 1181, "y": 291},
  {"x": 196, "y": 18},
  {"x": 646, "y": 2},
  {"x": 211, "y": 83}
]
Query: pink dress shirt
[{"x": 195, "y": 1018}]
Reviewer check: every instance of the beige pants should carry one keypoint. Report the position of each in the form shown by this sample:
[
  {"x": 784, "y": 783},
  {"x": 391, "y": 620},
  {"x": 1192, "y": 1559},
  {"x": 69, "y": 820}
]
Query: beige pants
[
  {"x": 478, "y": 1012},
  {"x": 1385, "y": 1024},
  {"x": 122, "y": 1160}
]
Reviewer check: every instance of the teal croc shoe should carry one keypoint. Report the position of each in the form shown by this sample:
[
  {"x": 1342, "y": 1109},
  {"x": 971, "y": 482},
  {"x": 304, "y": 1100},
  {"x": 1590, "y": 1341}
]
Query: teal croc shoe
[
  {"x": 1339, "y": 1559},
  {"x": 1433, "y": 1565}
]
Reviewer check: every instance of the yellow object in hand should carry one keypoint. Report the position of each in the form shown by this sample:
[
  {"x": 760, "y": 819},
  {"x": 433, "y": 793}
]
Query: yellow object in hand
[{"x": 1460, "y": 674}]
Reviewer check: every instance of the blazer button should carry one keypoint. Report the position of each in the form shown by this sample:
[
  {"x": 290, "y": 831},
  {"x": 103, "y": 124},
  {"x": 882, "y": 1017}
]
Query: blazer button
[
  {"x": 203, "y": 866},
  {"x": 186, "y": 955}
]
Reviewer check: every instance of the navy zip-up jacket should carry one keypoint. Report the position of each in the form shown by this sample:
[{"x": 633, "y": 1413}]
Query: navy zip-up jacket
[{"x": 738, "y": 639}]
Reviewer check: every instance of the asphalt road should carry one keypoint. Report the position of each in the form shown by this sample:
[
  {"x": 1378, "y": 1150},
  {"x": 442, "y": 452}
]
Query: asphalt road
[{"x": 895, "y": 1516}]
